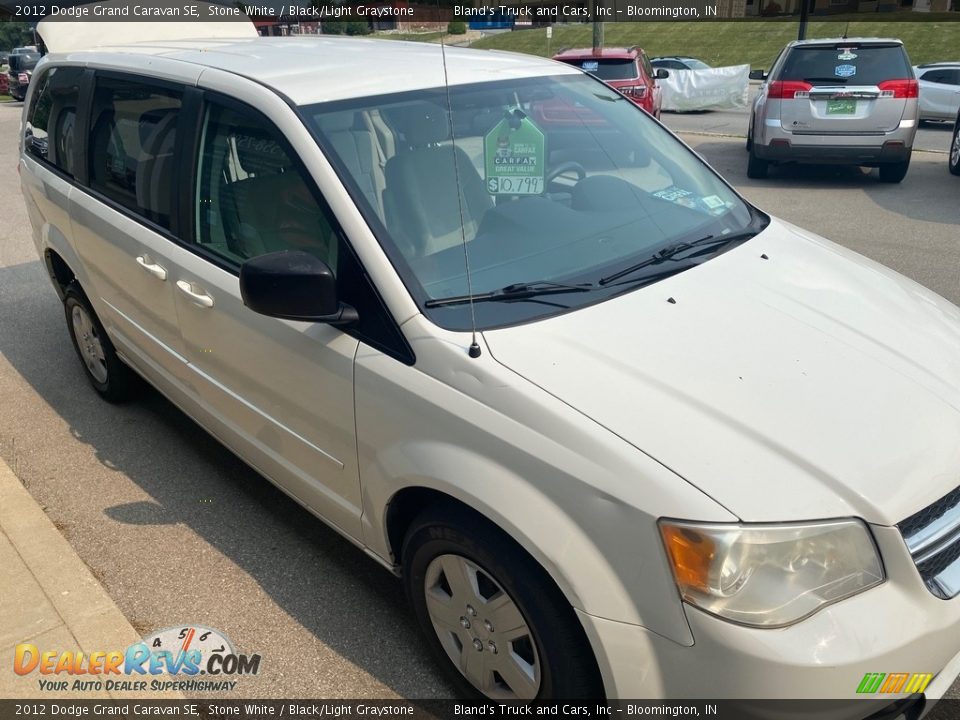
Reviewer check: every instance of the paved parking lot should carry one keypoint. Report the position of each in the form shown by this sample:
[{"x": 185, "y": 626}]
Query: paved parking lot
[{"x": 178, "y": 530}]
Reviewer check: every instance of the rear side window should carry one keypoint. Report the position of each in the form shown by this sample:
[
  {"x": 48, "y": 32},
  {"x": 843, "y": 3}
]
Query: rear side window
[
  {"x": 607, "y": 68},
  {"x": 133, "y": 133},
  {"x": 49, "y": 133},
  {"x": 846, "y": 64},
  {"x": 943, "y": 77}
]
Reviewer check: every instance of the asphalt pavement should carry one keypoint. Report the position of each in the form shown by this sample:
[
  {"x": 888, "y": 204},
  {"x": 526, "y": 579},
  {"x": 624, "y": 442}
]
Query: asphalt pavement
[{"x": 177, "y": 530}]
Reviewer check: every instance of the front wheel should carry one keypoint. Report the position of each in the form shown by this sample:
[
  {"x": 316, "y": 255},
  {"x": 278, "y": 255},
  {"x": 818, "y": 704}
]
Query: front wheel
[
  {"x": 954, "y": 162},
  {"x": 492, "y": 616},
  {"x": 894, "y": 172}
]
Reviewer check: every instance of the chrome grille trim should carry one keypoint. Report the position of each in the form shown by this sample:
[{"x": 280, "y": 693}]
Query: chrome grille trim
[{"x": 932, "y": 537}]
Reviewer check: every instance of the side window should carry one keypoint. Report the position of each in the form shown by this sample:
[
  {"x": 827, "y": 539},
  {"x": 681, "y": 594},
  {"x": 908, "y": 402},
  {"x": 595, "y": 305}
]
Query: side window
[
  {"x": 252, "y": 198},
  {"x": 51, "y": 120},
  {"x": 132, "y": 141}
]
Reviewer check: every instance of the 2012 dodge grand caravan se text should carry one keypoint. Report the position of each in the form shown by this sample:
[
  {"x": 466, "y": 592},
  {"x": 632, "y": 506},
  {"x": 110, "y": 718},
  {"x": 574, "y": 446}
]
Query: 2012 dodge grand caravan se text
[{"x": 688, "y": 445}]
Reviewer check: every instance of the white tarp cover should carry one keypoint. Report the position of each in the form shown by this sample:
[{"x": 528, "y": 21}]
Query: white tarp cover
[
  {"x": 64, "y": 33},
  {"x": 722, "y": 88}
]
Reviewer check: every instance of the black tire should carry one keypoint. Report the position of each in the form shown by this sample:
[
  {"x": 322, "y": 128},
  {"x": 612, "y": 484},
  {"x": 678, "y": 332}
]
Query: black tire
[
  {"x": 953, "y": 161},
  {"x": 567, "y": 667},
  {"x": 894, "y": 172},
  {"x": 113, "y": 380},
  {"x": 756, "y": 167}
]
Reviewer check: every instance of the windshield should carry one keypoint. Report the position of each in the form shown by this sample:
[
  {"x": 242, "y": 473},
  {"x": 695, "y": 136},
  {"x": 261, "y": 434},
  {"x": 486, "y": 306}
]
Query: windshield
[{"x": 561, "y": 180}]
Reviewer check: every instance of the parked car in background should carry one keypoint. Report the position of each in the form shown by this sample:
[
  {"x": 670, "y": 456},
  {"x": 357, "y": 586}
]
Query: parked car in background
[
  {"x": 847, "y": 101},
  {"x": 679, "y": 62},
  {"x": 20, "y": 72},
  {"x": 4, "y": 82},
  {"x": 939, "y": 90},
  {"x": 625, "y": 69},
  {"x": 954, "y": 161}
]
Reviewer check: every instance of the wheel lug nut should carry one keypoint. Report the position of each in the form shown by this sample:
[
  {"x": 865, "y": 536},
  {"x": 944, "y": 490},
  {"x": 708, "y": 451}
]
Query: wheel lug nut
[
  {"x": 471, "y": 611},
  {"x": 488, "y": 625},
  {"x": 493, "y": 647},
  {"x": 464, "y": 622},
  {"x": 478, "y": 645}
]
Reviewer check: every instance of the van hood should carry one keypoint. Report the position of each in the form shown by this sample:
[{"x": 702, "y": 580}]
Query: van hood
[{"x": 788, "y": 379}]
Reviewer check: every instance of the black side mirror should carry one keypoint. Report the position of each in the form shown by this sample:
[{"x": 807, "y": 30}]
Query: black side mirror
[
  {"x": 758, "y": 74},
  {"x": 293, "y": 285},
  {"x": 662, "y": 74}
]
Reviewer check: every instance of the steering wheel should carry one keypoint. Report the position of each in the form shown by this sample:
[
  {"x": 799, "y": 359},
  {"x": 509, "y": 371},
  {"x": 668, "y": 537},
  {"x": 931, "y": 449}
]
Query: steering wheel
[{"x": 565, "y": 167}]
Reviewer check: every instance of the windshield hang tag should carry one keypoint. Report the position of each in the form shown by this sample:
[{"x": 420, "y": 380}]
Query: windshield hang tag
[{"x": 515, "y": 157}]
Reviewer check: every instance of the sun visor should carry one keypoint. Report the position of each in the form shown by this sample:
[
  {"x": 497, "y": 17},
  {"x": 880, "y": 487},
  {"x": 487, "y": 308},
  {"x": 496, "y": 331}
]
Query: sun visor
[{"x": 78, "y": 28}]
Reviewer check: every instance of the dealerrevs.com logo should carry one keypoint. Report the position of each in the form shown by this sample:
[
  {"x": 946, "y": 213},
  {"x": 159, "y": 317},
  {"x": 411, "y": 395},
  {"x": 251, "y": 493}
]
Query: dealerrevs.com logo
[{"x": 189, "y": 651}]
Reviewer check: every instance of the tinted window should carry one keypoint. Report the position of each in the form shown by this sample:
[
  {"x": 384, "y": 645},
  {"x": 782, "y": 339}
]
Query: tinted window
[
  {"x": 51, "y": 120},
  {"x": 251, "y": 197},
  {"x": 607, "y": 69},
  {"x": 24, "y": 61},
  {"x": 942, "y": 77},
  {"x": 132, "y": 141},
  {"x": 869, "y": 65}
]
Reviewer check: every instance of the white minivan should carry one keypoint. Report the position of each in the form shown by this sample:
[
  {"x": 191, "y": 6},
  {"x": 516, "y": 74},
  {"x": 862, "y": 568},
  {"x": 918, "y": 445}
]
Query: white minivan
[{"x": 621, "y": 433}]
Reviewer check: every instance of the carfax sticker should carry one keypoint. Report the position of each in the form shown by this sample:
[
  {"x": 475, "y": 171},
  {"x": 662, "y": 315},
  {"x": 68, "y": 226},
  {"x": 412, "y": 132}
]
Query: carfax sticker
[
  {"x": 514, "y": 157},
  {"x": 712, "y": 204}
]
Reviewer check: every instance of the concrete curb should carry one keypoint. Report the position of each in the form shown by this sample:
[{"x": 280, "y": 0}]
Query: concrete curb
[{"x": 50, "y": 598}]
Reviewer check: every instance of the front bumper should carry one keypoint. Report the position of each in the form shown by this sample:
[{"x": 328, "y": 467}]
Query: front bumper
[{"x": 898, "y": 627}]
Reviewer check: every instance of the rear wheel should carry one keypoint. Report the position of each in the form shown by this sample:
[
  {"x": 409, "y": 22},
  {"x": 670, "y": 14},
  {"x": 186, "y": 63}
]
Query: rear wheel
[
  {"x": 954, "y": 162},
  {"x": 493, "y": 618},
  {"x": 894, "y": 172},
  {"x": 756, "y": 167},
  {"x": 105, "y": 371}
]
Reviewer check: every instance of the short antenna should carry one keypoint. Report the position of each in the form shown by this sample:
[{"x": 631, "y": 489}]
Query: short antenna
[
  {"x": 846, "y": 29},
  {"x": 474, "y": 350}
]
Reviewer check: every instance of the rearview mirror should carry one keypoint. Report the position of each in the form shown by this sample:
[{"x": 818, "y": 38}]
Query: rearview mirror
[
  {"x": 293, "y": 285},
  {"x": 758, "y": 75},
  {"x": 662, "y": 74}
]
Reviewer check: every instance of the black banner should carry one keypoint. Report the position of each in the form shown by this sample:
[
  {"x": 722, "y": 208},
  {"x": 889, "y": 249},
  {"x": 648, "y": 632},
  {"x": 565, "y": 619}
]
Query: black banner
[{"x": 909, "y": 708}]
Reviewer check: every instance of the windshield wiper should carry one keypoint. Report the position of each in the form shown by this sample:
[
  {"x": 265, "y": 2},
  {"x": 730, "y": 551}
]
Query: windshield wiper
[
  {"x": 670, "y": 251},
  {"x": 515, "y": 291},
  {"x": 838, "y": 80}
]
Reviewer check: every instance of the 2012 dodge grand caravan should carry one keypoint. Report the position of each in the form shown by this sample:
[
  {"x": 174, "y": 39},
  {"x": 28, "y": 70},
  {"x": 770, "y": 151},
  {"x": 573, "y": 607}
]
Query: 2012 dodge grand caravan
[{"x": 621, "y": 433}]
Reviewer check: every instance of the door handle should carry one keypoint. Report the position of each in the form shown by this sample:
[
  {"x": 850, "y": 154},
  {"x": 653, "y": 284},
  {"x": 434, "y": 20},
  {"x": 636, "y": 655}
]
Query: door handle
[
  {"x": 156, "y": 270},
  {"x": 197, "y": 298}
]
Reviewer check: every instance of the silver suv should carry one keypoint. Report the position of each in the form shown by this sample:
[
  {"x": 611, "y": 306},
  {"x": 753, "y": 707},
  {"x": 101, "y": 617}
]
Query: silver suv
[{"x": 841, "y": 101}]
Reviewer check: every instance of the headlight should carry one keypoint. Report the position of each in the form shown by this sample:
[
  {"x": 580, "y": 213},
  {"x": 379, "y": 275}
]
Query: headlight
[{"x": 770, "y": 575}]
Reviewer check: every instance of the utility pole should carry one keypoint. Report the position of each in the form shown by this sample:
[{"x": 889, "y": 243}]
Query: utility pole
[
  {"x": 597, "y": 26},
  {"x": 804, "y": 12}
]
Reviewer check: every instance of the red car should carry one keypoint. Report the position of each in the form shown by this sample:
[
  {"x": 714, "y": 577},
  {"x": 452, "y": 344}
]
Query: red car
[{"x": 625, "y": 69}]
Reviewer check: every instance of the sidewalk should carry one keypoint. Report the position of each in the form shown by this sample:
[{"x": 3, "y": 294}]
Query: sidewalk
[{"x": 49, "y": 598}]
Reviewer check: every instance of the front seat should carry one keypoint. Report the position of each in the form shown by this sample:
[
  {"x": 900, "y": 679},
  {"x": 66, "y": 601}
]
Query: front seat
[{"x": 420, "y": 198}]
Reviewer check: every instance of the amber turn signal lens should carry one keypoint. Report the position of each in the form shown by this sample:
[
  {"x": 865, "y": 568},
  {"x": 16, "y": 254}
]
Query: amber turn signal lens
[{"x": 691, "y": 555}]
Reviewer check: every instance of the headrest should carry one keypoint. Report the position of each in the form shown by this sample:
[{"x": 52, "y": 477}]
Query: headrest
[
  {"x": 421, "y": 124},
  {"x": 338, "y": 122}
]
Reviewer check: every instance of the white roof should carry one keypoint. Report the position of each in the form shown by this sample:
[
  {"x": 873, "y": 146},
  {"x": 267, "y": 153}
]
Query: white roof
[{"x": 310, "y": 69}]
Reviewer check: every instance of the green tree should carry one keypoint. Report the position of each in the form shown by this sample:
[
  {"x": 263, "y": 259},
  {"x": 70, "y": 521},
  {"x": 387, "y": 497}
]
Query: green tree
[{"x": 15, "y": 34}]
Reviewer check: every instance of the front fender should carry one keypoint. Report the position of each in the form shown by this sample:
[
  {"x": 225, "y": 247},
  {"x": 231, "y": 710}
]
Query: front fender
[{"x": 581, "y": 501}]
